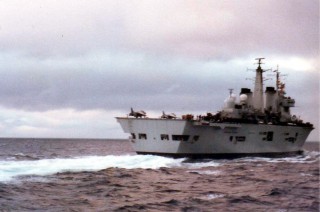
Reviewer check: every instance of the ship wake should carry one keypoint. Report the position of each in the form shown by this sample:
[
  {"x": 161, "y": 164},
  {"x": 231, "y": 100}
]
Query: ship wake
[{"x": 11, "y": 170}]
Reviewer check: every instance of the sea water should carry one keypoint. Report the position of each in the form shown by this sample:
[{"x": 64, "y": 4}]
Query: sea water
[{"x": 106, "y": 175}]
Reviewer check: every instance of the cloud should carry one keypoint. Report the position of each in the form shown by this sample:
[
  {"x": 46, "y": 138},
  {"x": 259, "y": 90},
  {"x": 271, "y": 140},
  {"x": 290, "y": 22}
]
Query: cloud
[
  {"x": 177, "y": 56},
  {"x": 189, "y": 28},
  {"x": 64, "y": 123},
  {"x": 118, "y": 81}
]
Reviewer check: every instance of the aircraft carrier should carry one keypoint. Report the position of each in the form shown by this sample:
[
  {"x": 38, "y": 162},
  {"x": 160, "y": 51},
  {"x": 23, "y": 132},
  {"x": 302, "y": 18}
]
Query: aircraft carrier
[{"x": 255, "y": 123}]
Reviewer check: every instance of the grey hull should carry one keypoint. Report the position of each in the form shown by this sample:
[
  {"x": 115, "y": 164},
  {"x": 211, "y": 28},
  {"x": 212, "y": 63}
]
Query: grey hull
[{"x": 212, "y": 139}]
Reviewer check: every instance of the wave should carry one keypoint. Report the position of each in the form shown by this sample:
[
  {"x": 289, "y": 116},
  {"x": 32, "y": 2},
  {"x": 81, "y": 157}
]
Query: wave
[
  {"x": 12, "y": 169},
  {"x": 306, "y": 157}
]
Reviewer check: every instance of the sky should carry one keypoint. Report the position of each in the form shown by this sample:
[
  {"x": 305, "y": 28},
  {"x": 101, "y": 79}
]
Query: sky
[{"x": 67, "y": 68}]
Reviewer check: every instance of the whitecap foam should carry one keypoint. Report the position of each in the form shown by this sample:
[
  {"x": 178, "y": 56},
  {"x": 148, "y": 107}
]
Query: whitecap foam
[
  {"x": 211, "y": 196},
  {"x": 313, "y": 154},
  {"x": 306, "y": 159},
  {"x": 11, "y": 169},
  {"x": 205, "y": 163},
  {"x": 208, "y": 172},
  {"x": 214, "y": 196}
]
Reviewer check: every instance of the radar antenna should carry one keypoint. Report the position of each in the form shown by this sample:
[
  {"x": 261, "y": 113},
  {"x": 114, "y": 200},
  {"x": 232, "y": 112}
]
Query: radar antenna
[{"x": 259, "y": 60}]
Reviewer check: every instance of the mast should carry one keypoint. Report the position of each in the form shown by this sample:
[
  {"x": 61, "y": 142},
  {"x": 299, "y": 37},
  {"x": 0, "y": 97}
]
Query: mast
[
  {"x": 277, "y": 78},
  {"x": 280, "y": 86},
  {"x": 258, "y": 102},
  {"x": 230, "y": 91}
]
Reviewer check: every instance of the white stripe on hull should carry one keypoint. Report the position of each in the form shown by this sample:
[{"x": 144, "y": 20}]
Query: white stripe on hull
[{"x": 221, "y": 138}]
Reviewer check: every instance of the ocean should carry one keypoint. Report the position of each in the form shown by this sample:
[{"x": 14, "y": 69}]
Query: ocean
[{"x": 107, "y": 175}]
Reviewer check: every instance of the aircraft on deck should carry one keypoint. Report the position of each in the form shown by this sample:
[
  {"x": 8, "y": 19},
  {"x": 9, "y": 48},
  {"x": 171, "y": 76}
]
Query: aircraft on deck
[
  {"x": 137, "y": 114},
  {"x": 168, "y": 116}
]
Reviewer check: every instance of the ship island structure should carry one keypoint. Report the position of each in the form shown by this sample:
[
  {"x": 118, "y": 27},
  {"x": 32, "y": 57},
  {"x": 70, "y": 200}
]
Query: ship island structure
[{"x": 259, "y": 123}]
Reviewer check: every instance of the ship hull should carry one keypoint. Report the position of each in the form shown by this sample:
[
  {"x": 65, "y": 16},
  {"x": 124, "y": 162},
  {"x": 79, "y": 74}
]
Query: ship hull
[
  {"x": 223, "y": 155},
  {"x": 189, "y": 138}
]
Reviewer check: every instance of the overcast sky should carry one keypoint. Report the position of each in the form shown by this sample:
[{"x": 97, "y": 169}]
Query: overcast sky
[{"x": 67, "y": 68}]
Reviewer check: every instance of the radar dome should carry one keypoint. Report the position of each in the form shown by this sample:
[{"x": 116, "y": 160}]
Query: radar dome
[{"x": 243, "y": 97}]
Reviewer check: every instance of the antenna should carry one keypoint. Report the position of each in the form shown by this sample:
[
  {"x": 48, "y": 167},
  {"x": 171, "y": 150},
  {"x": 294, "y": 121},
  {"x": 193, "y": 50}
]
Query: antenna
[
  {"x": 230, "y": 91},
  {"x": 259, "y": 65},
  {"x": 259, "y": 60},
  {"x": 279, "y": 84}
]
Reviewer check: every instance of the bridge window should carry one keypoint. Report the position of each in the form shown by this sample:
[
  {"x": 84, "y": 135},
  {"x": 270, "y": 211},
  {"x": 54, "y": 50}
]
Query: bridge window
[
  {"x": 133, "y": 136},
  {"x": 164, "y": 137},
  {"x": 142, "y": 136},
  {"x": 180, "y": 137},
  {"x": 291, "y": 139},
  {"x": 196, "y": 138},
  {"x": 269, "y": 136},
  {"x": 240, "y": 138}
]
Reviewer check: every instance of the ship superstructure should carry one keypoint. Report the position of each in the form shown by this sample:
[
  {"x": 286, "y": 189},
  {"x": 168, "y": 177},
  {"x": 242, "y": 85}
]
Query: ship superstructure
[{"x": 259, "y": 123}]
